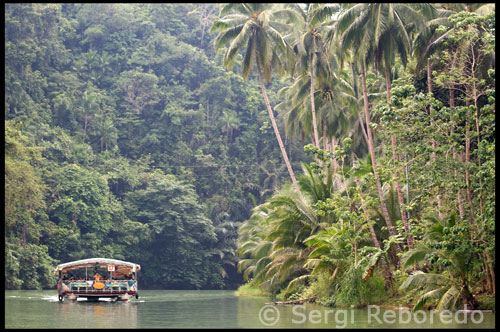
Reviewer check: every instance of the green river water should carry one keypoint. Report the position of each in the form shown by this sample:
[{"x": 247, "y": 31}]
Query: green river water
[{"x": 211, "y": 309}]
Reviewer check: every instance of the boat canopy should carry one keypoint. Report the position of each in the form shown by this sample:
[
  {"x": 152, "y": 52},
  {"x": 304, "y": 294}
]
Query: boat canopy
[{"x": 120, "y": 266}]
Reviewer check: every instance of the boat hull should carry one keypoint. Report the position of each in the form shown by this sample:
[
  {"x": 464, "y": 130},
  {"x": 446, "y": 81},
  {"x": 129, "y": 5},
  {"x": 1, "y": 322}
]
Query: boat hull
[{"x": 95, "y": 296}]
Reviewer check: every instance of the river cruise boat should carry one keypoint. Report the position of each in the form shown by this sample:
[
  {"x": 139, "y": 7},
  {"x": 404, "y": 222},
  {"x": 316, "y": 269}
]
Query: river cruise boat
[{"x": 96, "y": 278}]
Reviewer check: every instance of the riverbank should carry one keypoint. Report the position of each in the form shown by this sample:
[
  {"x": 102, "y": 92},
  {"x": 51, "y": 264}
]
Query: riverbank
[{"x": 400, "y": 302}]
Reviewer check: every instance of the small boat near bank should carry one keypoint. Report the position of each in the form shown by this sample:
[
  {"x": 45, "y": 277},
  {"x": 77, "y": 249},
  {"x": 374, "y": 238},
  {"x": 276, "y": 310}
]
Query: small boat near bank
[{"x": 96, "y": 278}]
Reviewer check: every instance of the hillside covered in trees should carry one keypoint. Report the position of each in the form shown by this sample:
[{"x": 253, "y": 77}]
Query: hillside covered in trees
[
  {"x": 338, "y": 151},
  {"x": 125, "y": 138}
]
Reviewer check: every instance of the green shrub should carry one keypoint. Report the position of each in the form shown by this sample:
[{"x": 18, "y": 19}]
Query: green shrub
[
  {"x": 249, "y": 289},
  {"x": 353, "y": 291},
  {"x": 323, "y": 287},
  {"x": 29, "y": 267}
]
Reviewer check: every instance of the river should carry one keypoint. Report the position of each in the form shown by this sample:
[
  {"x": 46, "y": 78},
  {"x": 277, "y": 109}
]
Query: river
[{"x": 211, "y": 309}]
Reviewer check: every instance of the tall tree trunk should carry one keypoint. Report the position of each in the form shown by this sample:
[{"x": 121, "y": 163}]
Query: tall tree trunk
[
  {"x": 469, "y": 299},
  {"x": 487, "y": 275},
  {"x": 325, "y": 140},
  {"x": 466, "y": 166},
  {"x": 336, "y": 180},
  {"x": 313, "y": 110},
  {"x": 433, "y": 154},
  {"x": 396, "y": 172},
  {"x": 466, "y": 161},
  {"x": 373, "y": 235},
  {"x": 475, "y": 97},
  {"x": 491, "y": 270},
  {"x": 371, "y": 149},
  {"x": 276, "y": 131},
  {"x": 85, "y": 126},
  {"x": 385, "y": 267},
  {"x": 461, "y": 209}
]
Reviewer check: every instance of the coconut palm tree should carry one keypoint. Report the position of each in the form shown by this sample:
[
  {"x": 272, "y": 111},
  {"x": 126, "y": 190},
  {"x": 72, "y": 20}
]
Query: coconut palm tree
[
  {"x": 393, "y": 24},
  {"x": 106, "y": 131},
  {"x": 271, "y": 242},
  {"x": 251, "y": 26},
  {"x": 229, "y": 122},
  {"x": 253, "y": 246},
  {"x": 299, "y": 120},
  {"x": 311, "y": 50},
  {"x": 450, "y": 285},
  {"x": 294, "y": 109},
  {"x": 373, "y": 31},
  {"x": 90, "y": 105},
  {"x": 351, "y": 100},
  {"x": 355, "y": 30}
]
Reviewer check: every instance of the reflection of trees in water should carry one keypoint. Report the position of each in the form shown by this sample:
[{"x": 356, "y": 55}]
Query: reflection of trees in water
[{"x": 100, "y": 314}]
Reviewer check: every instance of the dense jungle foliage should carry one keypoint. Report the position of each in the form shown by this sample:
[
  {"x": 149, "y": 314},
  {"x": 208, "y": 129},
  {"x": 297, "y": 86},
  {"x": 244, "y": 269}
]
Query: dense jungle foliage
[
  {"x": 125, "y": 138},
  {"x": 341, "y": 151},
  {"x": 399, "y": 101}
]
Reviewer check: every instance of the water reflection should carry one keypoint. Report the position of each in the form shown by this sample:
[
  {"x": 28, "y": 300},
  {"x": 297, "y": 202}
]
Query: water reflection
[
  {"x": 97, "y": 314},
  {"x": 256, "y": 313},
  {"x": 189, "y": 309}
]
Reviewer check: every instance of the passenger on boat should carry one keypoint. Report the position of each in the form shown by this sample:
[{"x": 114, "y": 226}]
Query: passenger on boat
[{"x": 97, "y": 276}]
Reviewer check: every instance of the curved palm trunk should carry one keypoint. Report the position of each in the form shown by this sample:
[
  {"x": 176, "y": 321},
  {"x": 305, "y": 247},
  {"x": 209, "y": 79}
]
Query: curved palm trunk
[
  {"x": 313, "y": 110},
  {"x": 325, "y": 140},
  {"x": 386, "y": 269},
  {"x": 466, "y": 161},
  {"x": 478, "y": 133},
  {"x": 468, "y": 297},
  {"x": 399, "y": 192},
  {"x": 461, "y": 209},
  {"x": 371, "y": 149},
  {"x": 276, "y": 131},
  {"x": 373, "y": 236},
  {"x": 337, "y": 180}
]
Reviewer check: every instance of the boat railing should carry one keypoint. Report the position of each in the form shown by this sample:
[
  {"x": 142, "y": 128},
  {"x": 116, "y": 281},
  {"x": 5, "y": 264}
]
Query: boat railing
[{"x": 100, "y": 286}]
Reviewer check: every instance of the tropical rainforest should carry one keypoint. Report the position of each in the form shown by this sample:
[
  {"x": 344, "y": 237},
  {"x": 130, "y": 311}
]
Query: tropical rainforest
[{"x": 340, "y": 152}]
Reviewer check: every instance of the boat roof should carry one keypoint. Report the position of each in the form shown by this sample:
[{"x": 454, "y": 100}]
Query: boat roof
[{"x": 102, "y": 262}]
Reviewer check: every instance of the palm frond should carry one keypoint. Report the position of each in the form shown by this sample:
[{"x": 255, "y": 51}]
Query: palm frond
[
  {"x": 236, "y": 7},
  {"x": 415, "y": 256},
  {"x": 424, "y": 280},
  {"x": 291, "y": 15},
  {"x": 323, "y": 12},
  {"x": 433, "y": 294},
  {"x": 448, "y": 298},
  {"x": 249, "y": 59},
  {"x": 294, "y": 281}
]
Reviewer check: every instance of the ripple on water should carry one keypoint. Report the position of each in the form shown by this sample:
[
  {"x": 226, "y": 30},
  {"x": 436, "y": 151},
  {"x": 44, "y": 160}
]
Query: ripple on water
[{"x": 50, "y": 298}]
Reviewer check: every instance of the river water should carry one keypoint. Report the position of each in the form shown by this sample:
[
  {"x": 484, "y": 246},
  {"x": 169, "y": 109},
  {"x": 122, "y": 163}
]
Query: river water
[{"x": 211, "y": 309}]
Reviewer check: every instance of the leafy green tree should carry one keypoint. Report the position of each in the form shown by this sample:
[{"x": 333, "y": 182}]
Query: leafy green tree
[
  {"x": 24, "y": 188},
  {"x": 355, "y": 28},
  {"x": 447, "y": 246},
  {"x": 178, "y": 249},
  {"x": 28, "y": 267}
]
